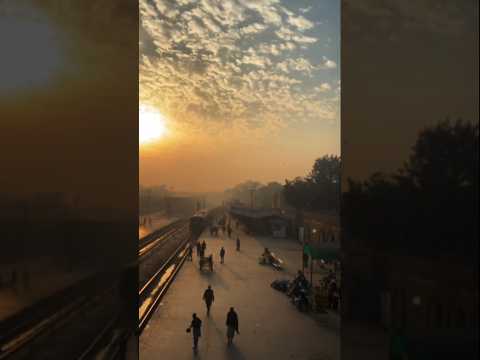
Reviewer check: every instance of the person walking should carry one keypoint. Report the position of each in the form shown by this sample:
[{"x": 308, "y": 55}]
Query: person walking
[
  {"x": 238, "y": 243},
  {"x": 196, "y": 326},
  {"x": 209, "y": 298},
  {"x": 199, "y": 249},
  {"x": 232, "y": 325},
  {"x": 189, "y": 252},
  {"x": 204, "y": 247},
  {"x": 222, "y": 255}
]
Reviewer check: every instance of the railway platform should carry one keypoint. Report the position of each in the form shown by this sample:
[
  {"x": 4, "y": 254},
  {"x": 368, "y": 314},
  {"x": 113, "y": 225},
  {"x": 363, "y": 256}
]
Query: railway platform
[
  {"x": 270, "y": 326},
  {"x": 154, "y": 222}
]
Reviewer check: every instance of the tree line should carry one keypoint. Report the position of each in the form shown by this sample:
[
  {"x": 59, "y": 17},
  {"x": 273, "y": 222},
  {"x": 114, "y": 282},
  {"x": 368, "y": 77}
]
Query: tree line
[
  {"x": 318, "y": 191},
  {"x": 429, "y": 207}
]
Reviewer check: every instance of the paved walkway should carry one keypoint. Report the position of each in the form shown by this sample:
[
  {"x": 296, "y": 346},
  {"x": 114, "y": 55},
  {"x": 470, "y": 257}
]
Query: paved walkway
[{"x": 270, "y": 326}]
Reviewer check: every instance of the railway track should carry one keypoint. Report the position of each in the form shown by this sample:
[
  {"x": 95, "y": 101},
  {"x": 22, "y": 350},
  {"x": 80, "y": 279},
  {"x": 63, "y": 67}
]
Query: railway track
[
  {"x": 169, "y": 249},
  {"x": 157, "y": 238}
]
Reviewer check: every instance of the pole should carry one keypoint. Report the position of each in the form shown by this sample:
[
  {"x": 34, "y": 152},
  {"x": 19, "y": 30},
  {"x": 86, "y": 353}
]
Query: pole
[
  {"x": 311, "y": 270},
  {"x": 303, "y": 260}
]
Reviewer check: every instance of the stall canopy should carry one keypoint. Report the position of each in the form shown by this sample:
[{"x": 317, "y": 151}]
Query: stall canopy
[{"x": 323, "y": 254}]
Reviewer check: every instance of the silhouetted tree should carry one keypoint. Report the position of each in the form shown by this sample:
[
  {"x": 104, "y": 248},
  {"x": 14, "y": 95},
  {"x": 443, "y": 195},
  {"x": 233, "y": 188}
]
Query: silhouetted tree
[
  {"x": 428, "y": 207},
  {"x": 326, "y": 170},
  {"x": 298, "y": 193},
  {"x": 320, "y": 190}
]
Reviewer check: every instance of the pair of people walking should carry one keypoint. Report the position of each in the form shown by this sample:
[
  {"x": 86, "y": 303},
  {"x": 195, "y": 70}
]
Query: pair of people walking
[
  {"x": 201, "y": 247},
  {"x": 231, "y": 321},
  {"x": 232, "y": 327}
]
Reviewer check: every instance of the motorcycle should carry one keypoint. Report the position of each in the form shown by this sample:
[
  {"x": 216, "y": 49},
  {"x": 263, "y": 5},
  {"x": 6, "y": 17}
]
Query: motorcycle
[
  {"x": 271, "y": 259},
  {"x": 299, "y": 298}
]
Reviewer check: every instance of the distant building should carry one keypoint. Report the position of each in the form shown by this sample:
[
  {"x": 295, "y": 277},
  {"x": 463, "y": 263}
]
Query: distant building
[
  {"x": 322, "y": 230},
  {"x": 268, "y": 222}
]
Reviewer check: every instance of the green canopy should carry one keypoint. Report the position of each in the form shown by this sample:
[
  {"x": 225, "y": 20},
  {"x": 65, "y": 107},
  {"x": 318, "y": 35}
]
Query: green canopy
[{"x": 324, "y": 254}]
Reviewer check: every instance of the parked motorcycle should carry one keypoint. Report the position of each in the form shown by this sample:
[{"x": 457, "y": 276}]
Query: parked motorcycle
[{"x": 270, "y": 259}]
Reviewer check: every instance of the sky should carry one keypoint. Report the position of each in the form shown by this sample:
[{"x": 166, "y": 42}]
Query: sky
[{"x": 248, "y": 89}]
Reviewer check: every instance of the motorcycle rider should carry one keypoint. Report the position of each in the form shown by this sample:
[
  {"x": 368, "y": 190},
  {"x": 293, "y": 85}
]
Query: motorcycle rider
[
  {"x": 267, "y": 255},
  {"x": 300, "y": 282}
]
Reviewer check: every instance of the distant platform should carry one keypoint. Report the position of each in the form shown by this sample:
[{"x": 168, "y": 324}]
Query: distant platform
[{"x": 158, "y": 220}]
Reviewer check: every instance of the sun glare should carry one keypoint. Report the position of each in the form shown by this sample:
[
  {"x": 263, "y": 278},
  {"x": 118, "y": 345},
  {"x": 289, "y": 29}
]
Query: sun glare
[{"x": 152, "y": 125}]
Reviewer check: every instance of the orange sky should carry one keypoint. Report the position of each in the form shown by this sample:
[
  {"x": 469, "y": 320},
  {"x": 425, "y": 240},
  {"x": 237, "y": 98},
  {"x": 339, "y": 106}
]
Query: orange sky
[
  {"x": 249, "y": 91},
  {"x": 200, "y": 161}
]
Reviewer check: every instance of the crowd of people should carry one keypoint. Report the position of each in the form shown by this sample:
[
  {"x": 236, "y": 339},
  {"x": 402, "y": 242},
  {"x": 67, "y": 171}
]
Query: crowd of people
[{"x": 208, "y": 297}]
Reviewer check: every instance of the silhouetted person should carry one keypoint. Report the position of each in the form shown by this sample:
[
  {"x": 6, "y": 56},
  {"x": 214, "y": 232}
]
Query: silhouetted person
[
  {"x": 204, "y": 247},
  {"x": 332, "y": 289},
  {"x": 199, "y": 249},
  {"x": 232, "y": 325},
  {"x": 238, "y": 243},
  {"x": 305, "y": 260},
  {"x": 222, "y": 255},
  {"x": 189, "y": 252},
  {"x": 196, "y": 326},
  {"x": 209, "y": 298},
  {"x": 210, "y": 262}
]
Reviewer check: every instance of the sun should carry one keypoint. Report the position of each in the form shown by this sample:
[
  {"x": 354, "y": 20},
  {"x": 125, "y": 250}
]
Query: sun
[{"x": 151, "y": 125}]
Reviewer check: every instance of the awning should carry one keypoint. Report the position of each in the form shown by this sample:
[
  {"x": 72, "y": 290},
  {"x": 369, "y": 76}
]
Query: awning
[{"x": 324, "y": 254}]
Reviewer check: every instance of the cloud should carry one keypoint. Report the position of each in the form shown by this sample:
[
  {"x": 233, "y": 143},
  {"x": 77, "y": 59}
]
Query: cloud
[
  {"x": 305, "y": 10},
  {"x": 327, "y": 64},
  {"x": 299, "y": 64},
  {"x": 234, "y": 63},
  {"x": 300, "y": 22},
  {"x": 253, "y": 29},
  {"x": 288, "y": 34},
  {"x": 323, "y": 87}
]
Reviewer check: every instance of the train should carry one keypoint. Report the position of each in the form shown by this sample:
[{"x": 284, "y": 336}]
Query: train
[
  {"x": 204, "y": 218},
  {"x": 198, "y": 223}
]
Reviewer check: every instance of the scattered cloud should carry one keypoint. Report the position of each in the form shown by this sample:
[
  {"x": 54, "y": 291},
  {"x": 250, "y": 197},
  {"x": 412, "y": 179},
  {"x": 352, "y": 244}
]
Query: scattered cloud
[
  {"x": 240, "y": 64},
  {"x": 323, "y": 87}
]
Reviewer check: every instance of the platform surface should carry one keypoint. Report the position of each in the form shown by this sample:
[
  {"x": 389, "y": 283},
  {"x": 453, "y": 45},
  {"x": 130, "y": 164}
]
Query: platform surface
[{"x": 270, "y": 326}]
